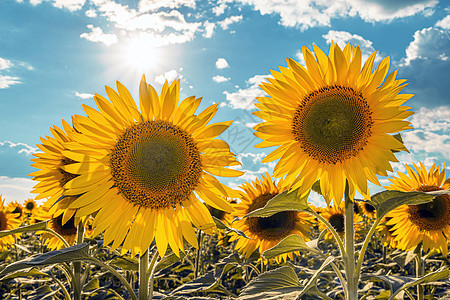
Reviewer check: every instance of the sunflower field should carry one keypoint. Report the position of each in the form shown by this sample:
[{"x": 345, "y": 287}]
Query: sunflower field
[{"x": 129, "y": 205}]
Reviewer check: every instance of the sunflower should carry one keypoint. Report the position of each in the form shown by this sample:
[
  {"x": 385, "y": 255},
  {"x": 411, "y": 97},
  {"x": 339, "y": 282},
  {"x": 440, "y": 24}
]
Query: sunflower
[
  {"x": 427, "y": 223},
  {"x": 30, "y": 206},
  {"x": 386, "y": 234},
  {"x": 265, "y": 233},
  {"x": 146, "y": 171},
  {"x": 17, "y": 209},
  {"x": 367, "y": 209},
  {"x": 51, "y": 176},
  {"x": 332, "y": 120},
  {"x": 335, "y": 215},
  {"x": 8, "y": 221}
]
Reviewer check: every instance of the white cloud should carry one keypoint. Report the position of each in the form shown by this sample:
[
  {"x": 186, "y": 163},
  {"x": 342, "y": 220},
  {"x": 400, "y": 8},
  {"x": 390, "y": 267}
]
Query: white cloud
[
  {"x": 222, "y": 63},
  {"x": 98, "y": 36},
  {"x": 5, "y": 63},
  {"x": 219, "y": 9},
  {"x": 431, "y": 132},
  {"x": 169, "y": 76},
  {"x": 20, "y": 147},
  {"x": 208, "y": 29},
  {"x": 16, "y": 189},
  {"x": 444, "y": 23},
  {"x": 255, "y": 157},
  {"x": 84, "y": 95},
  {"x": 72, "y": 5},
  {"x": 342, "y": 38},
  {"x": 244, "y": 98},
  {"x": 91, "y": 13},
  {"x": 228, "y": 21},
  {"x": 220, "y": 78},
  {"x": 428, "y": 44},
  {"x": 313, "y": 13},
  {"x": 7, "y": 81},
  {"x": 152, "y": 5}
]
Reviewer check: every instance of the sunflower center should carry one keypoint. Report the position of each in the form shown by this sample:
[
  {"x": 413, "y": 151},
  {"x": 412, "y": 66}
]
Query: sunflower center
[
  {"x": 3, "y": 221},
  {"x": 337, "y": 221},
  {"x": 275, "y": 227},
  {"x": 332, "y": 124},
  {"x": 155, "y": 164},
  {"x": 434, "y": 215},
  {"x": 29, "y": 206},
  {"x": 369, "y": 208},
  {"x": 67, "y": 229}
]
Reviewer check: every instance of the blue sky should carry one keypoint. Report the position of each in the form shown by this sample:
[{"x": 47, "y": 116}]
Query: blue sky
[{"x": 54, "y": 54}]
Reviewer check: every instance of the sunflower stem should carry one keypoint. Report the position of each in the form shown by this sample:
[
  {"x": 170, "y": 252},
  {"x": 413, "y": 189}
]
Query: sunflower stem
[
  {"x": 198, "y": 254},
  {"x": 51, "y": 231},
  {"x": 151, "y": 271},
  {"x": 364, "y": 248},
  {"x": 143, "y": 276},
  {"x": 352, "y": 279},
  {"x": 77, "y": 265},
  {"x": 419, "y": 270}
]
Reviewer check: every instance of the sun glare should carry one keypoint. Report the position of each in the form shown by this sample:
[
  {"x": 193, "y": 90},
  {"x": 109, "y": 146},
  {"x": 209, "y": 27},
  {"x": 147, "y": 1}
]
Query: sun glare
[{"x": 140, "y": 55}]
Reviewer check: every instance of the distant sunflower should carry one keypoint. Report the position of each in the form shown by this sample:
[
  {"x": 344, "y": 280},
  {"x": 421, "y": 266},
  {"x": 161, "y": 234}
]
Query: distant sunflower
[
  {"x": 146, "y": 171},
  {"x": 8, "y": 221},
  {"x": 335, "y": 215},
  {"x": 30, "y": 206},
  {"x": 367, "y": 209},
  {"x": 428, "y": 223},
  {"x": 265, "y": 233},
  {"x": 333, "y": 121},
  {"x": 51, "y": 175},
  {"x": 17, "y": 209},
  {"x": 386, "y": 233}
]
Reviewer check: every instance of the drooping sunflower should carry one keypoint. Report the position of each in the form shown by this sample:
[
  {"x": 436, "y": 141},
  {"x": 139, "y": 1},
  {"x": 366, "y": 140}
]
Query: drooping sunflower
[
  {"x": 146, "y": 170},
  {"x": 427, "y": 223},
  {"x": 51, "y": 176},
  {"x": 265, "y": 233},
  {"x": 386, "y": 233},
  {"x": 8, "y": 221},
  {"x": 332, "y": 120},
  {"x": 335, "y": 215}
]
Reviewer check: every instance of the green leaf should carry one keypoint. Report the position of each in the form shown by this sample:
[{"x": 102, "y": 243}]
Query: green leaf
[
  {"x": 386, "y": 201},
  {"x": 222, "y": 226},
  {"x": 202, "y": 283},
  {"x": 286, "y": 201},
  {"x": 400, "y": 283},
  {"x": 289, "y": 244},
  {"x": 92, "y": 285},
  {"x": 316, "y": 187},
  {"x": 311, "y": 286},
  {"x": 28, "y": 228},
  {"x": 74, "y": 253},
  {"x": 126, "y": 263},
  {"x": 280, "y": 281},
  {"x": 167, "y": 261},
  {"x": 29, "y": 272}
]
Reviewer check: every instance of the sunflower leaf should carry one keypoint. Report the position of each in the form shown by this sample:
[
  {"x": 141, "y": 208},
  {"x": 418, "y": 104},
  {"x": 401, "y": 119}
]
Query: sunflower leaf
[
  {"x": 24, "y": 273},
  {"x": 125, "y": 263},
  {"x": 222, "y": 226},
  {"x": 28, "y": 228},
  {"x": 74, "y": 253},
  {"x": 286, "y": 201},
  {"x": 289, "y": 244},
  {"x": 311, "y": 286},
  {"x": 386, "y": 201},
  {"x": 167, "y": 261},
  {"x": 280, "y": 281}
]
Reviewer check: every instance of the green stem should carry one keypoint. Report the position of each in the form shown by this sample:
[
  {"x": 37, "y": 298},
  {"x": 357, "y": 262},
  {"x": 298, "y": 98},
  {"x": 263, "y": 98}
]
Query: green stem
[
  {"x": 77, "y": 265},
  {"x": 364, "y": 248},
  {"x": 419, "y": 271},
  {"x": 331, "y": 229},
  {"x": 143, "y": 276},
  {"x": 51, "y": 231},
  {"x": 115, "y": 273},
  {"x": 352, "y": 280},
  {"x": 199, "y": 251},
  {"x": 151, "y": 271},
  {"x": 65, "y": 292}
]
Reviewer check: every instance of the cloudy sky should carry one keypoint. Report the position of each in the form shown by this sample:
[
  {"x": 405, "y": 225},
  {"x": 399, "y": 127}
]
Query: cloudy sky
[{"x": 54, "y": 54}]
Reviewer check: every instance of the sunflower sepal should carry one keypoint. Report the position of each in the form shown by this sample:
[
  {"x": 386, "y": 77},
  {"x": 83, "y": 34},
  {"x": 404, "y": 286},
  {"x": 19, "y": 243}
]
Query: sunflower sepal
[{"x": 386, "y": 201}]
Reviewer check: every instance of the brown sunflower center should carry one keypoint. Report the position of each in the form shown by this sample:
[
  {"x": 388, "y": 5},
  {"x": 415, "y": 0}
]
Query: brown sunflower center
[
  {"x": 368, "y": 207},
  {"x": 275, "y": 227},
  {"x": 68, "y": 228},
  {"x": 332, "y": 123},
  {"x": 434, "y": 215},
  {"x": 17, "y": 210},
  {"x": 337, "y": 221},
  {"x": 29, "y": 205},
  {"x": 156, "y": 164},
  {"x": 3, "y": 221}
]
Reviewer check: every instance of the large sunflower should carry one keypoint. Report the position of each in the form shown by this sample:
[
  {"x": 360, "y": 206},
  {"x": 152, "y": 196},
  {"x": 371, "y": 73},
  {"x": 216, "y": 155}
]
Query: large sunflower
[
  {"x": 51, "y": 177},
  {"x": 335, "y": 215},
  {"x": 428, "y": 223},
  {"x": 146, "y": 171},
  {"x": 265, "y": 233},
  {"x": 332, "y": 120},
  {"x": 8, "y": 221}
]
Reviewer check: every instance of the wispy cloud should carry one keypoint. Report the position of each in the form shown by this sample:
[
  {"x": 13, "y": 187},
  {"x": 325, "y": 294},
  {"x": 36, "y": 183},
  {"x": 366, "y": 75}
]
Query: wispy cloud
[
  {"x": 20, "y": 147},
  {"x": 230, "y": 20},
  {"x": 244, "y": 98},
  {"x": 220, "y": 78},
  {"x": 6, "y": 67},
  {"x": 98, "y": 36},
  {"x": 84, "y": 95},
  {"x": 169, "y": 76}
]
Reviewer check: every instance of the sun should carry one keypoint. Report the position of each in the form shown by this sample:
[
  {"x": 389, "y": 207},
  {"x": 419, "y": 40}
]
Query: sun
[{"x": 140, "y": 54}]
